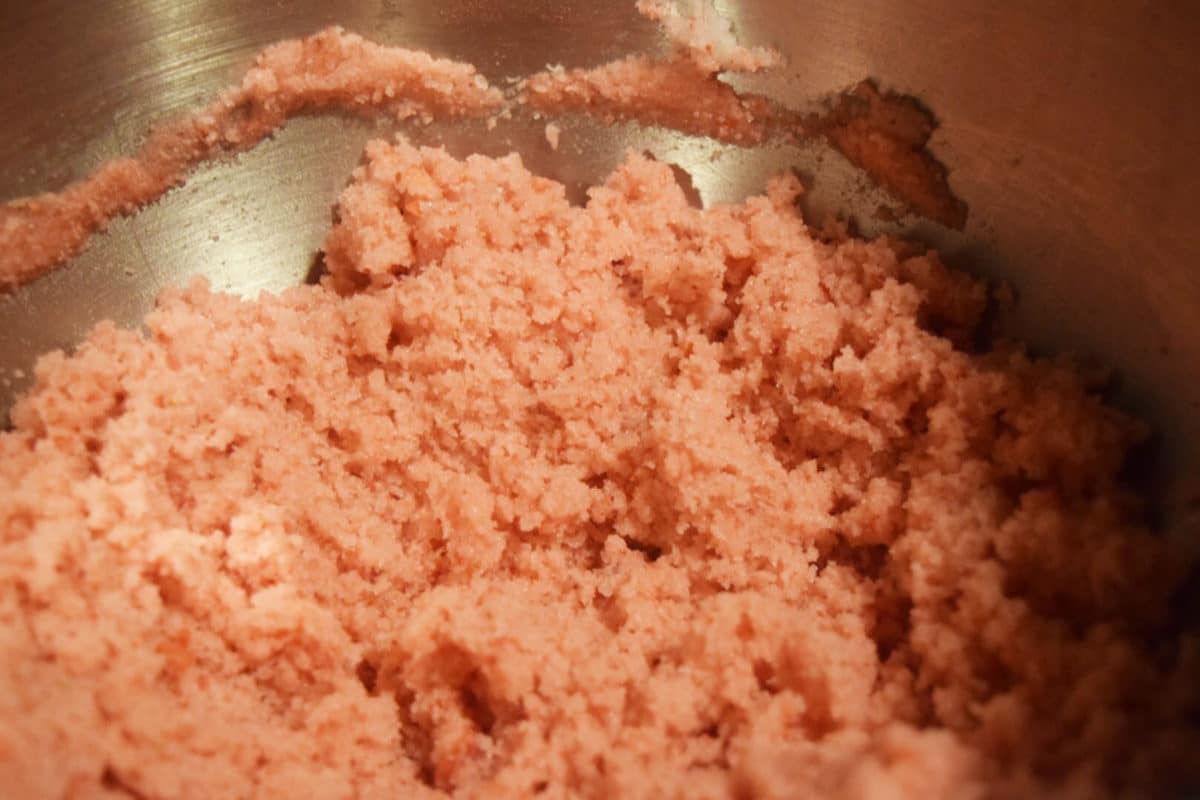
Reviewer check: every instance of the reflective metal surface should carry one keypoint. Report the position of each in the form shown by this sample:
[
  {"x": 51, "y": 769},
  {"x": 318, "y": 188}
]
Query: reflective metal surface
[{"x": 1069, "y": 129}]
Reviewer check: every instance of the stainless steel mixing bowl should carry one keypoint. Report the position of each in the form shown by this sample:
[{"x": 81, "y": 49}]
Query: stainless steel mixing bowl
[{"x": 1070, "y": 128}]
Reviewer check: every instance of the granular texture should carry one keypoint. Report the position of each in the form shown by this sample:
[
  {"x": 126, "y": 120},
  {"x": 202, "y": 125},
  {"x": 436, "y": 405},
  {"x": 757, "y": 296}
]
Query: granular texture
[
  {"x": 682, "y": 91},
  {"x": 335, "y": 71},
  {"x": 331, "y": 69},
  {"x": 884, "y": 134},
  {"x": 631, "y": 499}
]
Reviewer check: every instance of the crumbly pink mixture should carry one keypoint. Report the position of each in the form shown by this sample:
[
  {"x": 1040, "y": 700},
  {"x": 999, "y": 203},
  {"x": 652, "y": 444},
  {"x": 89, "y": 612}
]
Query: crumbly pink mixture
[
  {"x": 624, "y": 500},
  {"x": 332, "y": 69},
  {"x": 884, "y": 134},
  {"x": 338, "y": 71}
]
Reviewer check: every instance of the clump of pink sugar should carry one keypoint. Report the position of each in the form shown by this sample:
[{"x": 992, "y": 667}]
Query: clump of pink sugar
[{"x": 632, "y": 499}]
